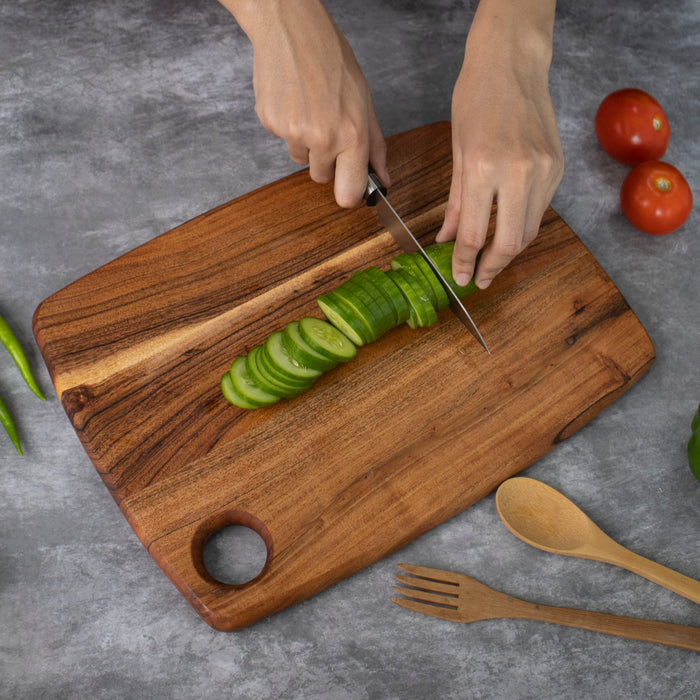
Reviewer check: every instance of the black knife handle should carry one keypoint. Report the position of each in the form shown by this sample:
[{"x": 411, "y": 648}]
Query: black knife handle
[{"x": 373, "y": 184}]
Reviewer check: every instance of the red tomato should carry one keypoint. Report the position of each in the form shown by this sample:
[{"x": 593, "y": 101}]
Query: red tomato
[
  {"x": 656, "y": 198},
  {"x": 632, "y": 127}
]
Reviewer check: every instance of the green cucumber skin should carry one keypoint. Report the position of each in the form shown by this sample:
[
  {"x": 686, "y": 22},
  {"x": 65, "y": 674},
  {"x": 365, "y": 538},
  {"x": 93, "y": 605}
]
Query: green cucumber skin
[
  {"x": 379, "y": 280},
  {"x": 280, "y": 359},
  {"x": 264, "y": 379},
  {"x": 245, "y": 387},
  {"x": 302, "y": 352},
  {"x": 423, "y": 313},
  {"x": 342, "y": 319},
  {"x": 441, "y": 255},
  {"x": 442, "y": 300},
  {"x": 326, "y": 339},
  {"x": 357, "y": 320},
  {"x": 409, "y": 264},
  {"x": 231, "y": 395},
  {"x": 382, "y": 311},
  {"x": 348, "y": 296}
]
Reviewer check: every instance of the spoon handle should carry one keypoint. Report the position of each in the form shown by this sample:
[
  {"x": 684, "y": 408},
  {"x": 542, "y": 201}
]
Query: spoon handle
[
  {"x": 668, "y": 633},
  {"x": 668, "y": 578}
]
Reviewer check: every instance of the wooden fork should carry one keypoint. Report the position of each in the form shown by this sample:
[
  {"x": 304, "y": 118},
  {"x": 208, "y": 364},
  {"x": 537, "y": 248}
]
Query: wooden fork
[{"x": 459, "y": 598}]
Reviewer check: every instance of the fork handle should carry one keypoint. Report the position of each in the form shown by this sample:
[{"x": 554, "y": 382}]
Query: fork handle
[{"x": 668, "y": 633}]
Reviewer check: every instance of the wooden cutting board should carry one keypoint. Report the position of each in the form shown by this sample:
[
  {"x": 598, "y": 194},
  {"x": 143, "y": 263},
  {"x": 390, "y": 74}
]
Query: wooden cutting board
[{"x": 420, "y": 425}]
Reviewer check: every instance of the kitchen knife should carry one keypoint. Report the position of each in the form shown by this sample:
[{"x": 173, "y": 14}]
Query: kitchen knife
[{"x": 376, "y": 197}]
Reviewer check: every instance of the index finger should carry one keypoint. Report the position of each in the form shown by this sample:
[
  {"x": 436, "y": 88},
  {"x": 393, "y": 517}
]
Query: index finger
[
  {"x": 474, "y": 215},
  {"x": 351, "y": 175}
]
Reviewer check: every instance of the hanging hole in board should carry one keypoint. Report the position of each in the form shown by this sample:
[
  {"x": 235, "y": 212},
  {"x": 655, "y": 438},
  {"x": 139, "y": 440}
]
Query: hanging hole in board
[{"x": 236, "y": 553}]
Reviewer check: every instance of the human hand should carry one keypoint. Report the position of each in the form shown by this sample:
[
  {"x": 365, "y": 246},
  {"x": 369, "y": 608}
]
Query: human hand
[
  {"x": 310, "y": 91},
  {"x": 505, "y": 139}
]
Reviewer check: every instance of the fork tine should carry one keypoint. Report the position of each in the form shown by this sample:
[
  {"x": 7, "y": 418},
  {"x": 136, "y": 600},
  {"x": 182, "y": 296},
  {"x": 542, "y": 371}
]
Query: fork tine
[
  {"x": 427, "y": 609},
  {"x": 427, "y": 597},
  {"x": 432, "y": 574},
  {"x": 429, "y": 585}
]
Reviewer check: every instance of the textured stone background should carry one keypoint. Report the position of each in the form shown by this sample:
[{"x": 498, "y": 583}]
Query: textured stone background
[{"x": 119, "y": 121}]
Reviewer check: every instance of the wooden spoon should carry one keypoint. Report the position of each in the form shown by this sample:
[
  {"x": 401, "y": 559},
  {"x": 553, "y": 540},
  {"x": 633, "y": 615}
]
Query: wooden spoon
[{"x": 544, "y": 518}]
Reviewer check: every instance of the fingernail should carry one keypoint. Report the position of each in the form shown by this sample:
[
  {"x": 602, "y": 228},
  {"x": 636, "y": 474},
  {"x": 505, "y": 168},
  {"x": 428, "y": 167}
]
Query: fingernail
[
  {"x": 462, "y": 279},
  {"x": 482, "y": 284}
]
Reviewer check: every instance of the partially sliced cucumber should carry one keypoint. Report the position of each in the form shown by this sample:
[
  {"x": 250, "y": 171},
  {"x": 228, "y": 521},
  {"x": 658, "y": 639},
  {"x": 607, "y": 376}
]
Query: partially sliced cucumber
[
  {"x": 303, "y": 353},
  {"x": 441, "y": 255},
  {"x": 441, "y": 297},
  {"x": 326, "y": 339},
  {"x": 345, "y": 319},
  {"x": 367, "y": 296},
  {"x": 245, "y": 387},
  {"x": 359, "y": 311},
  {"x": 383, "y": 284},
  {"x": 365, "y": 313},
  {"x": 409, "y": 264},
  {"x": 422, "y": 311}
]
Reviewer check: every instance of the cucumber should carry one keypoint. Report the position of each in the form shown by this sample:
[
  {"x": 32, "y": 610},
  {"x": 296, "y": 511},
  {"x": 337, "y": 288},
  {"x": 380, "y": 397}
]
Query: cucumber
[
  {"x": 441, "y": 255},
  {"x": 345, "y": 319},
  {"x": 281, "y": 363},
  {"x": 422, "y": 311},
  {"x": 244, "y": 387},
  {"x": 303, "y": 353},
  {"x": 380, "y": 308},
  {"x": 326, "y": 339},
  {"x": 373, "y": 276},
  {"x": 366, "y": 311},
  {"x": 409, "y": 264},
  {"x": 231, "y": 395},
  {"x": 267, "y": 380},
  {"x": 359, "y": 311},
  {"x": 441, "y": 296}
]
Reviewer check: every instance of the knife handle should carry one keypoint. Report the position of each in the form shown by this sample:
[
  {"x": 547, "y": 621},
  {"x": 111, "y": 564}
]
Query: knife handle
[{"x": 373, "y": 184}]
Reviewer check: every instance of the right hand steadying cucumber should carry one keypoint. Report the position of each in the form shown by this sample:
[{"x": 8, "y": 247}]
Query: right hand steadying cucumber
[{"x": 359, "y": 311}]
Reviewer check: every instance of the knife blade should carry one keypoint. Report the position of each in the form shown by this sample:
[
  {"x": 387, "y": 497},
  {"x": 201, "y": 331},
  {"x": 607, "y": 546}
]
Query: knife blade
[{"x": 376, "y": 197}]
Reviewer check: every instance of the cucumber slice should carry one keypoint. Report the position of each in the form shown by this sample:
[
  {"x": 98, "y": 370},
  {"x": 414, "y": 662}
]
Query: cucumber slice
[
  {"x": 231, "y": 395},
  {"x": 409, "y": 264},
  {"x": 361, "y": 311},
  {"x": 345, "y": 318},
  {"x": 267, "y": 380},
  {"x": 381, "y": 310},
  {"x": 441, "y": 254},
  {"x": 383, "y": 284},
  {"x": 300, "y": 351},
  {"x": 422, "y": 311},
  {"x": 326, "y": 339},
  {"x": 245, "y": 387},
  {"x": 442, "y": 299},
  {"x": 279, "y": 359}
]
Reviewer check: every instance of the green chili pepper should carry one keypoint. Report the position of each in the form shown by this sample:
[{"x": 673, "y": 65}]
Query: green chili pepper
[
  {"x": 9, "y": 424},
  {"x": 694, "y": 445},
  {"x": 13, "y": 346}
]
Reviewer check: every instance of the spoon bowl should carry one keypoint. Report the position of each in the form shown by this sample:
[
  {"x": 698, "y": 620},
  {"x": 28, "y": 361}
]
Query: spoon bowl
[
  {"x": 545, "y": 518},
  {"x": 541, "y": 516}
]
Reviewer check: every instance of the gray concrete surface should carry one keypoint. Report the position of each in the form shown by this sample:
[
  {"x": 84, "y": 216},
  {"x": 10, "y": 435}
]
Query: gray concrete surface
[{"x": 119, "y": 121}]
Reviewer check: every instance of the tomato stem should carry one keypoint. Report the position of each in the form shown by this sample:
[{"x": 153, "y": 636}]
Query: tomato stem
[{"x": 662, "y": 184}]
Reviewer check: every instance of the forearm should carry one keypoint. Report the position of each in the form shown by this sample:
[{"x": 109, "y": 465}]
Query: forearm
[
  {"x": 518, "y": 32},
  {"x": 262, "y": 19}
]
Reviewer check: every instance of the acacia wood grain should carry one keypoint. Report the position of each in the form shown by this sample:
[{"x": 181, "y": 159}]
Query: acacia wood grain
[{"x": 417, "y": 427}]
